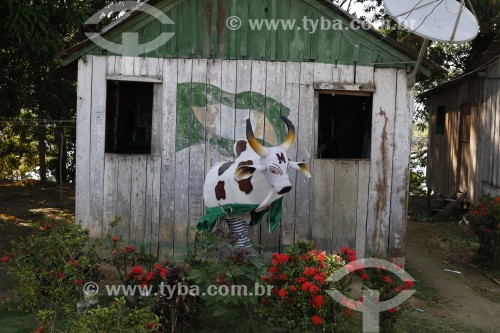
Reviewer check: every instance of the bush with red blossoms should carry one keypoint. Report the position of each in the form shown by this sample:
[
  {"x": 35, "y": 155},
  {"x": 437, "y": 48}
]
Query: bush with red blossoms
[
  {"x": 388, "y": 285},
  {"x": 298, "y": 299},
  {"x": 484, "y": 220}
]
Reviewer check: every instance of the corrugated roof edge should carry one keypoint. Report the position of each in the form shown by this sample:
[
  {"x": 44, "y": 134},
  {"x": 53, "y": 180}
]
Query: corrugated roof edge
[{"x": 460, "y": 79}]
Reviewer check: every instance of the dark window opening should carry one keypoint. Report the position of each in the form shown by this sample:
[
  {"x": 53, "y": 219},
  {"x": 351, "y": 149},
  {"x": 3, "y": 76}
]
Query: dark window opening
[
  {"x": 344, "y": 126},
  {"x": 129, "y": 107},
  {"x": 440, "y": 119}
]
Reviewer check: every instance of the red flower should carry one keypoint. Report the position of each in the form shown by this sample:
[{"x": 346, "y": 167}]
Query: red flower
[
  {"x": 282, "y": 293},
  {"x": 115, "y": 252},
  {"x": 150, "y": 326},
  {"x": 282, "y": 258},
  {"x": 319, "y": 278},
  {"x": 78, "y": 282},
  {"x": 264, "y": 301},
  {"x": 115, "y": 238},
  {"x": 5, "y": 258},
  {"x": 347, "y": 312},
  {"x": 318, "y": 301},
  {"x": 409, "y": 283},
  {"x": 60, "y": 276},
  {"x": 293, "y": 288},
  {"x": 273, "y": 270},
  {"x": 316, "y": 320},
  {"x": 364, "y": 276},
  {"x": 475, "y": 212},
  {"x": 300, "y": 279},
  {"x": 130, "y": 248},
  {"x": 387, "y": 279},
  {"x": 392, "y": 310},
  {"x": 282, "y": 276},
  {"x": 137, "y": 270},
  {"x": 306, "y": 285},
  {"x": 497, "y": 200},
  {"x": 304, "y": 257},
  {"x": 310, "y": 271},
  {"x": 264, "y": 278},
  {"x": 40, "y": 329},
  {"x": 344, "y": 249},
  {"x": 76, "y": 263}
]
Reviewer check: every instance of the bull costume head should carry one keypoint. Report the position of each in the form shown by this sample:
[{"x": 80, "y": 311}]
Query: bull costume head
[{"x": 253, "y": 183}]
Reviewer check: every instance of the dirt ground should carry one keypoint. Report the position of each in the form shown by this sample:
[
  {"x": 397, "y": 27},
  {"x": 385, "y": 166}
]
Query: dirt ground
[{"x": 469, "y": 297}]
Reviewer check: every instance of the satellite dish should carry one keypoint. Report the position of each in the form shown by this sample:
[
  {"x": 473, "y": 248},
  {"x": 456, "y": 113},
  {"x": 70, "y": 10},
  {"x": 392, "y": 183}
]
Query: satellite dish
[{"x": 447, "y": 21}]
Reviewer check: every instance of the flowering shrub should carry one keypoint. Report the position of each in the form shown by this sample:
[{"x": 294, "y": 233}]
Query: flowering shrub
[
  {"x": 484, "y": 220},
  {"x": 116, "y": 318},
  {"x": 389, "y": 286},
  {"x": 299, "y": 298},
  {"x": 218, "y": 260},
  {"x": 50, "y": 266}
]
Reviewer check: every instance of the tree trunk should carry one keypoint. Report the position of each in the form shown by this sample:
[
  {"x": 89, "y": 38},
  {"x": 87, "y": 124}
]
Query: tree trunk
[{"x": 42, "y": 151}]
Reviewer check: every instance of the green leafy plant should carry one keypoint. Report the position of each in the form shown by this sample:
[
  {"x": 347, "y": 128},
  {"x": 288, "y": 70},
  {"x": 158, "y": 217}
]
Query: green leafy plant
[
  {"x": 116, "y": 318},
  {"x": 219, "y": 262},
  {"x": 484, "y": 220},
  {"x": 50, "y": 266},
  {"x": 299, "y": 299},
  {"x": 389, "y": 286}
]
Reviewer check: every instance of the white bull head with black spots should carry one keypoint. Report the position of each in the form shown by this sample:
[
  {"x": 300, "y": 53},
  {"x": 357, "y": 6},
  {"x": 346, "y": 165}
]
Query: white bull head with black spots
[{"x": 259, "y": 175}]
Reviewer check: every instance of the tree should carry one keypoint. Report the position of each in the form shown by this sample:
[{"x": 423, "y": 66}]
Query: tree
[{"x": 33, "y": 33}]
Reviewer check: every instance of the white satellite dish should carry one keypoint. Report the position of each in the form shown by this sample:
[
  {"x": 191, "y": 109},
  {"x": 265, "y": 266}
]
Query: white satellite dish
[{"x": 447, "y": 21}]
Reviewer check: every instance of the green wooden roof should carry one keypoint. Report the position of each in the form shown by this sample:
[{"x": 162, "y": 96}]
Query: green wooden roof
[{"x": 201, "y": 32}]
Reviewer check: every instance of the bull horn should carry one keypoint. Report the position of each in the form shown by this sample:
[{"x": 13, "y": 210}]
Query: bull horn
[
  {"x": 256, "y": 146},
  {"x": 290, "y": 138}
]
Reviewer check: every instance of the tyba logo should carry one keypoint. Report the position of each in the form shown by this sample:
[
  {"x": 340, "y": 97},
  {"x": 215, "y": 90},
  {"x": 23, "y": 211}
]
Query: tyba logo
[{"x": 130, "y": 40}]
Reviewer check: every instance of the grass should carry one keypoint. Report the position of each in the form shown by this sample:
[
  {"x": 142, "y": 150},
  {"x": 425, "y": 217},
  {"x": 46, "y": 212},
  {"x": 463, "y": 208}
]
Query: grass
[
  {"x": 424, "y": 291},
  {"x": 13, "y": 321}
]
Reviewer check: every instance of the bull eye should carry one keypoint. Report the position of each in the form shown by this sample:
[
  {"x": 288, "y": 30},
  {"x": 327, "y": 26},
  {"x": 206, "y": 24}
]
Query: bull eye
[{"x": 274, "y": 170}]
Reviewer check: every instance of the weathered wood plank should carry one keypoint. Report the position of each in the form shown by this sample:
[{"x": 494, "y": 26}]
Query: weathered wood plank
[
  {"x": 124, "y": 196},
  {"x": 110, "y": 191},
  {"x": 344, "y": 73},
  {"x": 138, "y": 199},
  {"x": 345, "y": 194},
  {"x": 304, "y": 148},
  {"x": 379, "y": 200},
  {"x": 401, "y": 166},
  {"x": 156, "y": 126},
  {"x": 185, "y": 67},
  {"x": 323, "y": 73},
  {"x": 156, "y": 204},
  {"x": 322, "y": 203},
  {"x": 84, "y": 102},
  {"x": 165, "y": 236},
  {"x": 364, "y": 75},
  {"x": 214, "y": 78},
  {"x": 362, "y": 207},
  {"x": 243, "y": 84},
  {"x": 97, "y": 134},
  {"x": 348, "y": 88},
  {"x": 274, "y": 80},
  {"x": 149, "y": 209},
  {"x": 258, "y": 85},
  {"x": 127, "y": 66},
  {"x": 196, "y": 161},
  {"x": 291, "y": 101}
]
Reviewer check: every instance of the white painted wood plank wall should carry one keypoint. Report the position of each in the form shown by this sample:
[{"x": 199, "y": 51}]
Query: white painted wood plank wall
[{"x": 158, "y": 197}]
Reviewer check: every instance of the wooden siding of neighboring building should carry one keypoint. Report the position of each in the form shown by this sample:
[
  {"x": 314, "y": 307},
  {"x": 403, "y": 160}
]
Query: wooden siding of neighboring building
[
  {"x": 475, "y": 170},
  {"x": 158, "y": 196}
]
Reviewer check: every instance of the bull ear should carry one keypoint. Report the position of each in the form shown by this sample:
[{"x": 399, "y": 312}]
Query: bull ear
[
  {"x": 302, "y": 167},
  {"x": 247, "y": 171}
]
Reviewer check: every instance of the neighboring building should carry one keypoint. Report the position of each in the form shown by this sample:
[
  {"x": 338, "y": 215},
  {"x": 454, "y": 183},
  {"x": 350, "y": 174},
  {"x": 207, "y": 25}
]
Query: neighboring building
[
  {"x": 150, "y": 127},
  {"x": 464, "y": 140}
]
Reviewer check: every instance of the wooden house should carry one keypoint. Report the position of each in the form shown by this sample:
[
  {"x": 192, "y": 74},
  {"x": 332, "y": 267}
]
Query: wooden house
[
  {"x": 150, "y": 126},
  {"x": 464, "y": 139}
]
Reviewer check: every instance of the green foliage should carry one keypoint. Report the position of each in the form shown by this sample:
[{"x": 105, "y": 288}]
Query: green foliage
[
  {"x": 219, "y": 261},
  {"x": 389, "y": 286},
  {"x": 298, "y": 300},
  {"x": 50, "y": 266},
  {"x": 484, "y": 219},
  {"x": 116, "y": 318}
]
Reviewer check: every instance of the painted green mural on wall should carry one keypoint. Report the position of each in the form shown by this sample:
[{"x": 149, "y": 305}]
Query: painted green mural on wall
[{"x": 207, "y": 113}]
